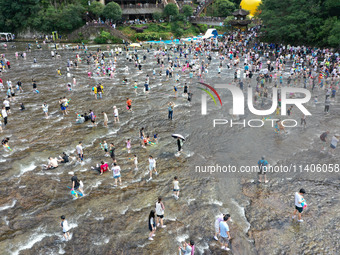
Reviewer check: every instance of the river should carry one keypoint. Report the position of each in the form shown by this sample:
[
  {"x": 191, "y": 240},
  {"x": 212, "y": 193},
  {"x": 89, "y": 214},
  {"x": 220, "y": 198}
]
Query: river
[{"x": 113, "y": 220}]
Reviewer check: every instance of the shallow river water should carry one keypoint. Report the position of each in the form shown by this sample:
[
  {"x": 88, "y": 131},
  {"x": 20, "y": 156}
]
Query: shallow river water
[{"x": 113, "y": 220}]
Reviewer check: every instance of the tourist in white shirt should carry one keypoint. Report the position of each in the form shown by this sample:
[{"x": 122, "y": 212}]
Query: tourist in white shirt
[
  {"x": 152, "y": 166},
  {"x": 334, "y": 142},
  {"x": 4, "y": 115},
  {"x": 299, "y": 200},
  {"x": 79, "y": 149},
  {"x": 45, "y": 108},
  {"x": 115, "y": 114},
  {"x": 7, "y": 106},
  {"x": 116, "y": 174}
]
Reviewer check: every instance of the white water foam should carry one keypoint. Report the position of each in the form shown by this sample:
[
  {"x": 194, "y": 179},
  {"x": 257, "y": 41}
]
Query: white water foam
[
  {"x": 216, "y": 202},
  {"x": 5, "y": 207},
  {"x": 28, "y": 168},
  {"x": 139, "y": 209},
  {"x": 190, "y": 200},
  {"x": 124, "y": 210},
  {"x": 97, "y": 184},
  {"x": 35, "y": 238},
  {"x": 182, "y": 238},
  {"x": 242, "y": 212},
  {"x": 6, "y": 221}
]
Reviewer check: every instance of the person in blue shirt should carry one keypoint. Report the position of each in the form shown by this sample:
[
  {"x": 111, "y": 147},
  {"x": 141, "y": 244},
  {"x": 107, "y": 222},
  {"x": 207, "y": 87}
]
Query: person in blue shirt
[
  {"x": 224, "y": 232},
  {"x": 262, "y": 163}
]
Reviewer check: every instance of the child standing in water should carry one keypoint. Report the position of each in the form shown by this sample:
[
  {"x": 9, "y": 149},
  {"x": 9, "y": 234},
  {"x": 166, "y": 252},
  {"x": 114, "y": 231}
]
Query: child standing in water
[
  {"x": 65, "y": 227},
  {"x": 116, "y": 174},
  {"x": 176, "y": 187},
  {"x": 105, "y": 148},
  {"x": 135, "y": 161},
  {"x": 128, "y": 145}
]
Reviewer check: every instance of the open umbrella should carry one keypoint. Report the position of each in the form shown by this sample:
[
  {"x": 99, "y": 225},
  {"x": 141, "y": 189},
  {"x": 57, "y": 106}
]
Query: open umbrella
[
  {"x": 178, "y": 136},
  {"x": 134, "y": 45}
]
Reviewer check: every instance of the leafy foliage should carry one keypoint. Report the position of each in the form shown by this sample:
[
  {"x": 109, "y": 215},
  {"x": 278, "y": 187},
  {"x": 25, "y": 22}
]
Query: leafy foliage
[
  {"x": 112, "y": 11},
  {"x": 224, "y": 7},
  {"x": 16, "y": 14},
  {"x": 66, "y": 19},
  {"x": 157, "y": 15},
  {"x": 221, "y": 8},
  {"x": 309, "y": 22},
  {"x": 170, "y": 10},
  {"x": 106, "y": 37},
  {"x": 187, "y": 10},
  {"x": 96, "y": 8}
]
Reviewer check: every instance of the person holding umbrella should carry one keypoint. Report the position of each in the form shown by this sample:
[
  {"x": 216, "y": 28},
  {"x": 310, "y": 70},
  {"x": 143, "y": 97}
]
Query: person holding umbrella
[
  {"x": 179, "y": 144},
  {"x": 180, "y": 140}
]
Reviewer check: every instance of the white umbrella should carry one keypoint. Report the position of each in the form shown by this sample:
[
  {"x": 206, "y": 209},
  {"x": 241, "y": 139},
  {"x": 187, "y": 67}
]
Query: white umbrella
[{"x": 178, "y": 136}]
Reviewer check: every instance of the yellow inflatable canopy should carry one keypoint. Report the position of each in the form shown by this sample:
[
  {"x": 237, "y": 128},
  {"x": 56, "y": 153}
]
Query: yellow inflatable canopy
[{"x": 250, "y": 5}]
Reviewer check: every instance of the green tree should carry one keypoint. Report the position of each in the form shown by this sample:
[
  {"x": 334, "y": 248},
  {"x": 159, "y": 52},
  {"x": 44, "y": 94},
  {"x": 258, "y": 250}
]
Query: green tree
[
  {"x": 63, "y": 20},
  {"x": 157, "y": 16},
  {"x": 187, "y": 10},
  {"x": 96, "y": 9},
  {"x": 112, "y": 11},
  {"x": 224, "y": 8},
  {"x": 15, "y": 15},
  {"x": 70, "y": 18},
  {"x": 170, "y": 10},
  {"x": 309, "y": 22},
  {"x": 334, "y": 36}
]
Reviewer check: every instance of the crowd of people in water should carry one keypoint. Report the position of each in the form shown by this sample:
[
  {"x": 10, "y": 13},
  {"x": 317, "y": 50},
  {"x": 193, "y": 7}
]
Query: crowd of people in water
[{"x": 252, "y": 62}]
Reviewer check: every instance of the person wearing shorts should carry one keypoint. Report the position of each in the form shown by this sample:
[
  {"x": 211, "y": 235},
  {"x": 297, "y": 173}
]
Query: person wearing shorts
[
  {"x": 62, "y": 106},
  {"x": 65, "y": 227},
  {"x": 224, "y": 232},
  {"x": 7, "y": 106},
  {"x": 116, "y": 174},
  {"x": 298, "y": 204},
  {"x": 160, "y": 213},
  {"x": 79, "y": 149},
  {"x": 152, "y": 166},
  {"x": 115, "y": 114}
]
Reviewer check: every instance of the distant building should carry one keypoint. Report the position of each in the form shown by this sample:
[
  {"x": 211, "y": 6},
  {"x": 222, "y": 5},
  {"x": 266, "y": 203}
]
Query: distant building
[{"x": 240, "y": 20}]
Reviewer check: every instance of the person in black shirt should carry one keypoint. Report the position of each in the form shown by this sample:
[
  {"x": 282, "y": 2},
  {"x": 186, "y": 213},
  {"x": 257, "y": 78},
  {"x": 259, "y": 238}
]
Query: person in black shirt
[
  {"x": 112, "y": 152},
  {"x": 76, "y": 183},
  {"x": 19, "y": 83},
  {"x": 64, "y": 158}
]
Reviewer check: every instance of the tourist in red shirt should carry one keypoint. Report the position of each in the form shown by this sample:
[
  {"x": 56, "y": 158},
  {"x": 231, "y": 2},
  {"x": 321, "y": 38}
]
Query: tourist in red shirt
[{"x": 104, "y": 167}]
